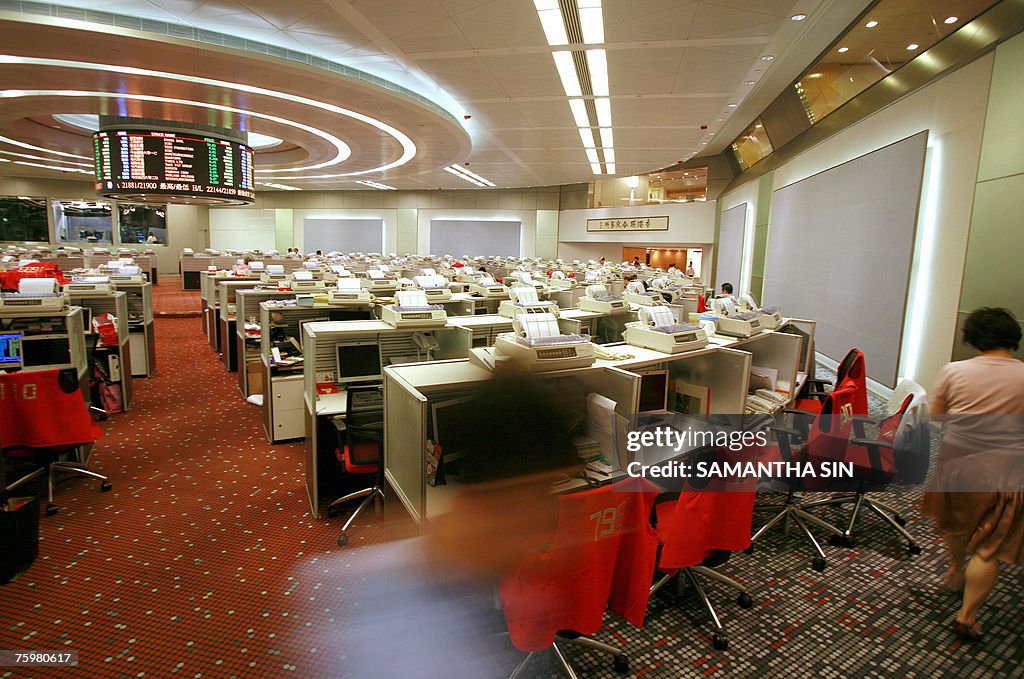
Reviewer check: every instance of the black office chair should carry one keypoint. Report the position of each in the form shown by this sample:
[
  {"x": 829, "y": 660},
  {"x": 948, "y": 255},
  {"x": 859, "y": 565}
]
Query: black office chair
[{"x": 360, "y": 450}]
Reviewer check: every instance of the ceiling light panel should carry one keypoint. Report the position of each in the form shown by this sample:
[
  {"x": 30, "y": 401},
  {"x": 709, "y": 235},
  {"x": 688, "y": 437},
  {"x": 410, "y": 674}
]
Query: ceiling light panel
[
  {"x": 579, "y": 112},
  {"x": 603, "y": 106},
  {"x": 598, "y": 63},
  {"x": 567, "y": 72}
]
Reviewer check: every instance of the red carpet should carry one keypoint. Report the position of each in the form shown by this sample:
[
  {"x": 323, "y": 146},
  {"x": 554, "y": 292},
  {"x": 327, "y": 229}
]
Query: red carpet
[
  {"x": 190, "y": 565},
  {"x": 169, "y": 300}
]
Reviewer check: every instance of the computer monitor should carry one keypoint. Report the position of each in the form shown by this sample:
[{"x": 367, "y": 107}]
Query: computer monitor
[
  {"x": 358, "y": 362},
  {"x": 653, "y": 391},
  {"x": 10, "y": 350},
  {"x": 452, "y": 430},
  {"x": 87, "y": 320}
]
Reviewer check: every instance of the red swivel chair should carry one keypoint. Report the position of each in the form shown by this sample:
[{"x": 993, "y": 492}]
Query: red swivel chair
[
  {"x": 697, "y": 532},
  {"x": 899, "y": 452},
  {"x": 360, "y": 450},
  {"x": 43, "y": 417},
  {"x": 602, "y": 556},
  {"x": 823, "y": 439},
  {"x": 851, "y": 370}
]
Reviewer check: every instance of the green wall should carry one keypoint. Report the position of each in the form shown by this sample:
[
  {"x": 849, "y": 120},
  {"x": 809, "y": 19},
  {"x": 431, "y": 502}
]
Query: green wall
[{"x": 994, "y": 267}]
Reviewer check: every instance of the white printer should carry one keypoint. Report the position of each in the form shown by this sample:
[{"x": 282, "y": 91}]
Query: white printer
[
  {"x": 435, "y": 287},
  {"x": 274, "y": 274},
  {"x": 378, "y": 283},
  {"x": 657, "y": 329},
  {"x": 635, "y": 293},
  {"x": 560, "y": 280},
  {"x": 770, "y": 317},
  {"x": 598, "y": 300},
  {"x": 88, "y": 284},
  {"x": 34, "y": 294},
  {"x": 536, "y": 343},
  {"x": 411, "y": 310},
  {"x": 525, "y": 301},
  {"x": 485, "y": 286},
  {"x": 304, "y": 281},
  {"x": 732, "y": 322}
]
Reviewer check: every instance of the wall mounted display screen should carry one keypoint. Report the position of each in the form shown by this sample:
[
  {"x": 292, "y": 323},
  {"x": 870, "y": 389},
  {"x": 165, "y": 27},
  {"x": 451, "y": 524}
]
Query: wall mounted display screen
[
  {"x": 840, "y": 247},
  {"x": 191, "y": 167},
  {"x": 459, "y": 237}
]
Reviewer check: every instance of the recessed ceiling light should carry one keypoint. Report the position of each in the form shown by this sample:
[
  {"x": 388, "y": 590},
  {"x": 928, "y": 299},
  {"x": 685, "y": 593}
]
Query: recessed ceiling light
[
  {"x": 871, "y": 24},
  {"x": 814, "y": 75},
  {"x": 721, "y": 119},
  {"x": 843, "y": 50},
  {"x": 711, "y": 134},
  {"x": 951, "y": 20},
  {"x": 732, "y": 105},
  {"x": 912, "y": 46},
  {"x": 749, "y": 82},
  {"x": 759, "y": 126},
  {"x": 767, "y": 57},
  {"x": 703, "y": 143},
  {"x": 798, "y": 17}
]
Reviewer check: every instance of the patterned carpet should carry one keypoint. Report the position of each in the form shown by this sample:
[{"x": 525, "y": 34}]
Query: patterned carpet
[
  {"x": 169, "y": 300},
  {"x": 203, "y": 562}
]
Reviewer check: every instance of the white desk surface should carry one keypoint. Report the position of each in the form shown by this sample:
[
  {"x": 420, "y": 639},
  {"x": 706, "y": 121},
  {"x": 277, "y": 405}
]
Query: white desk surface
[
  {"x": 478, "y": 320},
  {"x": 332, "y": 404}
]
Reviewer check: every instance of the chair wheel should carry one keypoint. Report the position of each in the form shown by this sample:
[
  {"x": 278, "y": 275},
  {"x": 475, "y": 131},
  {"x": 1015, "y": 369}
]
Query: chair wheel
[
  {"x": 913, "y": 548},
  {"x": 841, "y": 541},
  {"x": 818, "y": 564},
  {"x": 744, "y": 600},
  {"x": 51, "y": 509},
  {"x": 343, "y": 539},
  {"x": 620, "y": 664},
  {"x": 333, "y": 512},
  {"x": 105, "y": 486},
  {"x": 720, "y": 641},
  {"x": 749, "y": 550},
  {"x": 899, "y": 520}
]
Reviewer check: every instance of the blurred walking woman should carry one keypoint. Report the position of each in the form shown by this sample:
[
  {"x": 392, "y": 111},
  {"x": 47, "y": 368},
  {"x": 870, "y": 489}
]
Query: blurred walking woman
[{"x": 978, "y": 495}]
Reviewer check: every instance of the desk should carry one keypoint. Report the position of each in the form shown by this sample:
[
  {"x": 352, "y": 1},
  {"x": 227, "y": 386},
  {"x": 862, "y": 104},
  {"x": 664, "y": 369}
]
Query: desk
[{"x": 115, "y": 304}]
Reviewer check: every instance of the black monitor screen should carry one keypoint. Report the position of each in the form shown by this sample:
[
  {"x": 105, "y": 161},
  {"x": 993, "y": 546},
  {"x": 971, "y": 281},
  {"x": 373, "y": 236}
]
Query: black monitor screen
[
  {"x": 50, "y": 351},
  {"x": 358, "y": 362},
  {"x": 10, "y": 349},
  {"x": 452, "y": 423},
  {"x": 653, "y": 391}
]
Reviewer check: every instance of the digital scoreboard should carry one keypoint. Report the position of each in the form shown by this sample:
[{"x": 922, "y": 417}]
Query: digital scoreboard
[{"x": 172, "y": 167}]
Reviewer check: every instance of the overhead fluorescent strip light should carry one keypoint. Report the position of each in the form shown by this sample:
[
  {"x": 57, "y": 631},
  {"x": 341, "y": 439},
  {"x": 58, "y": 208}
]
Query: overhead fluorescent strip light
[{"x": 376, "y": 185}]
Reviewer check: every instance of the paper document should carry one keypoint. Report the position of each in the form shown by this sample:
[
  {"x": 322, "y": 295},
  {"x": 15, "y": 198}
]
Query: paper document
[
  {"x": 538, "y": 325},
  {"x": 601, "y": 426},
  {"x": 761, "y": 375},
  {"x": 302, "y": 275},
  {"x": 660, "y": 315},
  {"x": 527, "y": 295},
  {"x": 411, "y": 298},
  {"x": 37, "y": 286},
  {"x": 349, "y": 284}
]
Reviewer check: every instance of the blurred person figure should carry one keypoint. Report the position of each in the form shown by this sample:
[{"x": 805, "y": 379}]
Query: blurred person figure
[
  {"x": 425, "y": 607},
  {"x": 978, "y": 495}
]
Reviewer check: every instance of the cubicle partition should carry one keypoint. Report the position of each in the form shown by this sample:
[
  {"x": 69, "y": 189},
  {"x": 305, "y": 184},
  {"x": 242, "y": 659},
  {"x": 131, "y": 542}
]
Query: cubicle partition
[
  {"x": 226, "y": 299},
  {"x": 141, "y": 333},
  {"x": 247, "y": 345},
  {"x": 118, "y": 358}
]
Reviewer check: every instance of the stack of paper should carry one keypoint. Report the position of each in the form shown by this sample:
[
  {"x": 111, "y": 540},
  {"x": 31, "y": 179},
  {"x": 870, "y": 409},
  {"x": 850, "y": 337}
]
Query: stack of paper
[
  {"x": 660, "y": 316},
  {"x": 526, "y": 296},
  {"x": 410, "y": 298}
]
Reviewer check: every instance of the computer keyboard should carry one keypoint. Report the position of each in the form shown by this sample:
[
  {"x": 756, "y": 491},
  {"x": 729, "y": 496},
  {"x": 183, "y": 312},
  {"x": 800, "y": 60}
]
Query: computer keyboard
[{"x": 366, "y": 400}]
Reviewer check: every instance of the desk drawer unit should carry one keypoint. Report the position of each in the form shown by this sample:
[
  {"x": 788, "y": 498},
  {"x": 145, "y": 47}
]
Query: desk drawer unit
[{"x": 287, "y": 408}]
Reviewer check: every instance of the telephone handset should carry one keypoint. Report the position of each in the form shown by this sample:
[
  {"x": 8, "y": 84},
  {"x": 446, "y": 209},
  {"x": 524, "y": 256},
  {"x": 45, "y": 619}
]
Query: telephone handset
[{"x": 425, "y": 341}]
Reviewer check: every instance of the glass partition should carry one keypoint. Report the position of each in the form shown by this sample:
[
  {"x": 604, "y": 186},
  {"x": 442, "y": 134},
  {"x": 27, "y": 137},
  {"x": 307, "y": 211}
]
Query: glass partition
[
  {"x": 146, "y": 224},
  {"x": 83, "y": 221},
  {"x": 23, "y": 218}
]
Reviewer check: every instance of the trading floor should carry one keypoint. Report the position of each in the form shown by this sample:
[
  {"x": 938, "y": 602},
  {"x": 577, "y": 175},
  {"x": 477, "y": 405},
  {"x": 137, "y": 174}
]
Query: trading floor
[{"x": 204, "y": 561}]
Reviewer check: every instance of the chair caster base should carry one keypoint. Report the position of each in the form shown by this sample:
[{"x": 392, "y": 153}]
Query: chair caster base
[
  {"x": 720, "y": 641},
  {"x": 51, "y": 509},
  {"x": 343, "y": 539},
  {"x": 105, "y": 486},
  {"x": 749, "y": 550},
  {"x": 842, "y": 541},
  {"x": 913, "y": 548},
  {"x": 620, "y": 664},
  {"x": 744, "y": 600},
  {"x": 899, "y": 520},
  {"x": 818, "y": 564},
  {"x": 333, "y": 512}
]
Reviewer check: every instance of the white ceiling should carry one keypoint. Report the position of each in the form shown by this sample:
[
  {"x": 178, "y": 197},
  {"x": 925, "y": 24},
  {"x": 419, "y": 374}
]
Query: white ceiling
[{"x": 674, "y": 65}]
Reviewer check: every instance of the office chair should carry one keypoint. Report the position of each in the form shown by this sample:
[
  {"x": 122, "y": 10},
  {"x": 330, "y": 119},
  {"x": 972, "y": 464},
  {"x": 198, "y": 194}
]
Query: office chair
[
  {"x": 901, "y": 452},
  {"x": 44, "y": 416},
  {"x": 699, "y": 530},
  {"x": 851, "y": 370},
  {"x": 602, "y": 556},
  {"x": 360, "y": 450},
  {"x": 818, "y": 437}
]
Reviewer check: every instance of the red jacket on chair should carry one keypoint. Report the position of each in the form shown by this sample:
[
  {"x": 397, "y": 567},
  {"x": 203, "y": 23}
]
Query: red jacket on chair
[
  {"x": 602, "y": 556},
  {"x": 43, "y": 409},
  {"x": 12, "y": 278}
]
